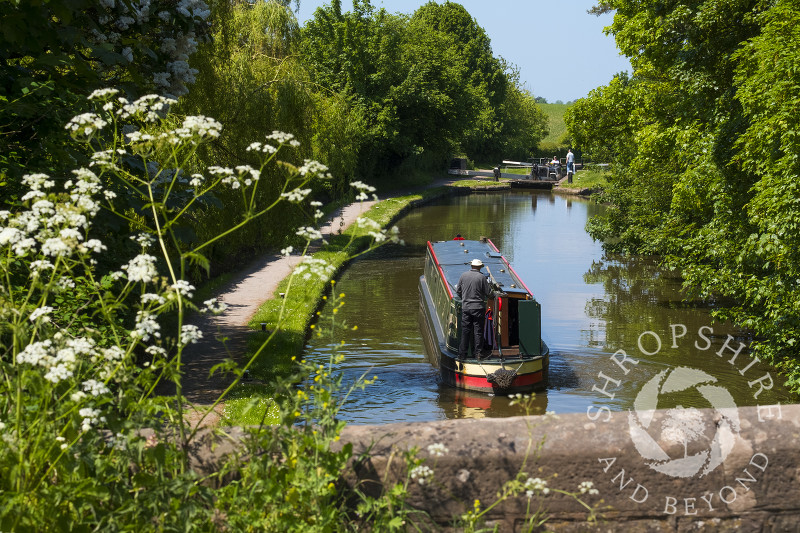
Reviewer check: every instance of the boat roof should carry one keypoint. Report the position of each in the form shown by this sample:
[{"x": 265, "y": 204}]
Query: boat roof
[{"x": 455, "y": 257}]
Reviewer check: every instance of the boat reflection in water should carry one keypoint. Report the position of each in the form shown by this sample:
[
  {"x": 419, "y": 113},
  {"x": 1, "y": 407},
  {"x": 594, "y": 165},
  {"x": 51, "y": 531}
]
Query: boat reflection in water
[
  {"x": 459, "y": 403},
  {"x": 519, "y": 358}
]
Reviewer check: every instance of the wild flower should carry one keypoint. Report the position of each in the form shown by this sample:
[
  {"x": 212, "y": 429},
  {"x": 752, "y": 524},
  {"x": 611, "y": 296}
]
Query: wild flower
[
  {"x": 91, "y": 417},
  {"x": 422, "y": 473},
  {"x": 183, "y": 288},
  {"x": 65, "y": 282},
  {"x": 94, "y": 387},
  {"x": 214, "y": 306},
  {"x": 40, "y": 265},
  {"x": 312, "y": 266},
  {"x": 533, "y": 485},
  {"x": 150, "y": 297},
  {"x": 190, "y": 334},
  {"x": 587, "y": 486},
  {"x": 85, "y": 124},
  {"x": 286, "y": 252},
  {"x": 437, "y": 449},
  {"x": 146, "y": 326},
  {"x": 103, "y": 94},
  {"x": 308, "y": 233},
  {"x": 37, "y": 181},
  {"x": 156, "y": 350},
  {"x": 281, "y": 137},
  {"x": 200, "y": 126},
  {"x": 361, "y": 186},
  {"x": 262, "y": 147},
  {"x": 247, "y": 169},
  {"x": 144, "y": 240},
  {"x": 296, "y": 196},
  {"x": 312, "y": 167},
  {"x": 141, "y": 268}
]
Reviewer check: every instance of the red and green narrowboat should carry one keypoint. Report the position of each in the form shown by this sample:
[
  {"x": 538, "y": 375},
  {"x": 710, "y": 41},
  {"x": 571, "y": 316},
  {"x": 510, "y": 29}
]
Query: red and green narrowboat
[{"x": 519, "y": 357}]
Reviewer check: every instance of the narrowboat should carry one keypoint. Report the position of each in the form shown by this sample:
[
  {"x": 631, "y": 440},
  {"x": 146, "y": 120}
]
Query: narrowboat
[{"x": 518, "y": 361}]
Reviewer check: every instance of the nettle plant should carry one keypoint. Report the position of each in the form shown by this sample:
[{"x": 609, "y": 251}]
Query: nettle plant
[{"x": 85, "y": 441}]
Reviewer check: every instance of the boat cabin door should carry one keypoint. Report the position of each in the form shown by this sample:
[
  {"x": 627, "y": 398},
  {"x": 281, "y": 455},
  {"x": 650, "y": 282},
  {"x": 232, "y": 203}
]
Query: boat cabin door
[{"x": 518, "y": 324}]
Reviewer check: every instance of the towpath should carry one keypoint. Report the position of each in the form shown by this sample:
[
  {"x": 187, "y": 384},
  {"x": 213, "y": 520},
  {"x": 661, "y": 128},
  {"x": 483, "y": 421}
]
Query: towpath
[{"x": 243, "y": 294}]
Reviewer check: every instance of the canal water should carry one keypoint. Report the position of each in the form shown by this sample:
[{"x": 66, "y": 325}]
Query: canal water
[{"x": 596, "y": 311}]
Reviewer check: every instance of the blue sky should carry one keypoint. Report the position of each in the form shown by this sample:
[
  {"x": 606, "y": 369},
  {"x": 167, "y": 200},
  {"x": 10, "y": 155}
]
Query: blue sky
[{"x": 560, "y": 50}]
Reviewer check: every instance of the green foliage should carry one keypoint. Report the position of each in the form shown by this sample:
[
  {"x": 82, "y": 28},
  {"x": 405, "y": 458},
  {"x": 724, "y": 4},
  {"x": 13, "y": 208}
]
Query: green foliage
[
  {"x": 589, "y": 178},
  {"x": 81, "y": 449},
  {"x": 600, "y": 124},
  {"x": 422, "y": 87},
  {"x": 704, "y": 140},
  {"x": 555, "y": 126},
  {"x": 53, "y": 54}
]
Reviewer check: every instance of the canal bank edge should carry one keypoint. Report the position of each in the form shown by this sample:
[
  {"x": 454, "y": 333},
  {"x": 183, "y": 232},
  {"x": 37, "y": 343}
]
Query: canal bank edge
[
  {"x": 385, "y": 212},
  {"x": 756, "y": 489}
]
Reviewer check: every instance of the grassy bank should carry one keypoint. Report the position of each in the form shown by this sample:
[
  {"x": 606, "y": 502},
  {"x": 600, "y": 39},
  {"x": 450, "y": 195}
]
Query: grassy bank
[
  {"x": 590, "y": 178},
  {"x": 556, "y": 125},
  {"x": 287, "y": 320}
]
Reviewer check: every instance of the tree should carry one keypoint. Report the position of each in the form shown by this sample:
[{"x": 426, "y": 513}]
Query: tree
[
  {"x": 53, "y": 54},
  {"x": 706, "y": 173}
]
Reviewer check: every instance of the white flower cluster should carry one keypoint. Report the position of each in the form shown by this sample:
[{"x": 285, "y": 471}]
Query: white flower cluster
[
  {"x": 166, "y": 55},
  {"x": 296, "y": 196},
  {"x": 263, "y": 148},
  {"x": 214, "y": 306},
  {"x": 242, "y": 175},
  {"x": 283, "y": 138},
  {"x": 85, "y": 125},
  {"x": 106, "y": 160},
  {"x": 315, "y": 168},
  {"x": 103, "y": 94},
  {"x": 57, "y": 229},
  {"x": 190, "y": 334},
  {"x": 244, "y": 170},
  {"x": 375, "y": 231},
  {"x": 437, "y": 449},
  {"x": 312, "y": 266},
  {"x": 363, "y": 189},
  {"x": 149, "y": 108},
  {"x": 535, "y": 484},
  {"x": 141, "y": 268},
  {"x": 59, "y": 356},
  {"x": 149, "y": 297},
  {"x": 41, "y": 312},
  {"x": 183, "y": 288},
  {"x": 146, "y": 327},
  {"x": 200, "y": 127},
  {"x": 587, "y": 486},
  {"x": 422, "y": 474},
  {"x": 95, "y": 388},
  {"x": 145, "y": 240},
  {"x": 91, "y": 417},
  {"x": 286, "y": 252},
  {"x": 308, "y": 233}
]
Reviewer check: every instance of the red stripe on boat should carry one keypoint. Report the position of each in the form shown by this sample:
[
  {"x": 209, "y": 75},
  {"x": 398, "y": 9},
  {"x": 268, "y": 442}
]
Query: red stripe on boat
[
  {"x": 481, "y": 382},
  {"x": 511, "y": 268}
]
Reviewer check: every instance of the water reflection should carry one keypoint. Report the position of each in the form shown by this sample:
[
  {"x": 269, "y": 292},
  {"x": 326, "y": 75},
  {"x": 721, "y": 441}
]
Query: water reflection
[{"x": 593, "y": 306}]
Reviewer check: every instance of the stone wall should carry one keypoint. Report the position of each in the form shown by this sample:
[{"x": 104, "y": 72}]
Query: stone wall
[
  {"x": 748, "y": 479},
  {"x": 755, "y": 485}
]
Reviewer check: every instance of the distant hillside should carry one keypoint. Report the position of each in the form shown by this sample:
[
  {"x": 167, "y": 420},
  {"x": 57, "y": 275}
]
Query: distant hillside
[{"x": 555, "y": 116}]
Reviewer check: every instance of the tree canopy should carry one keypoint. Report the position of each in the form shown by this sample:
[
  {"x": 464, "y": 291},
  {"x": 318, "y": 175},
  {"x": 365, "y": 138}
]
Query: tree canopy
[
  {"x": 428, "y": 86},
  {"x": 703, "y": 141}
]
